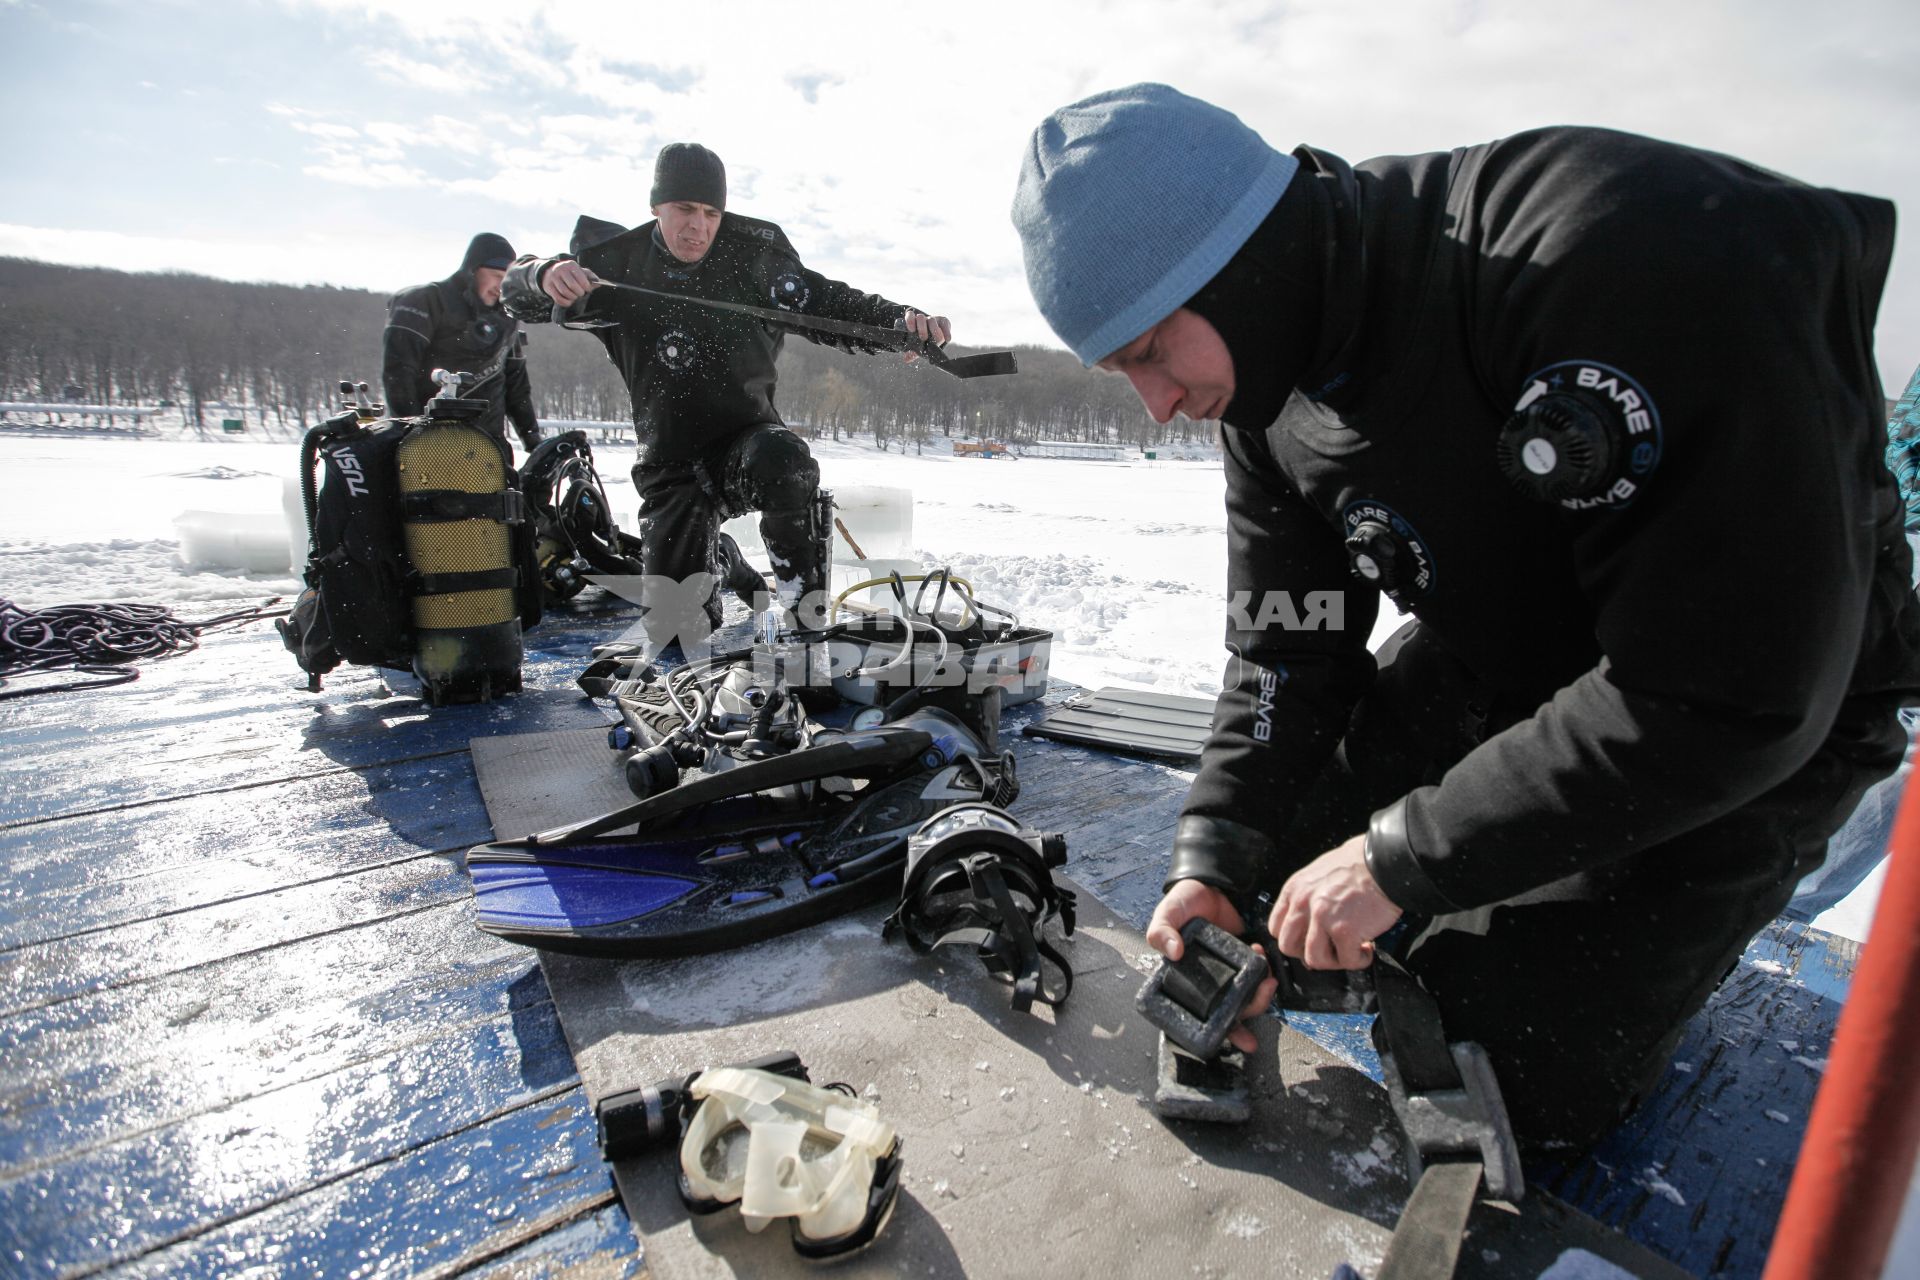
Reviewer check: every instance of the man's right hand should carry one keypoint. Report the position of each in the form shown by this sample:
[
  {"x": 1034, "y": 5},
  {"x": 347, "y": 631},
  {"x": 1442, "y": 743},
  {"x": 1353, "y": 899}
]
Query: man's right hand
[
  {"x": 566, "y": 282},
  {"x": 1185, "y": 901}
]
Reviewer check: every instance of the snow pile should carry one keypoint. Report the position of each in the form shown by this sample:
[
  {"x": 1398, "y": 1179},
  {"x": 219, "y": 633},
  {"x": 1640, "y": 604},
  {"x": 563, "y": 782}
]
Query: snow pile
[{"x": 37, "y": 575}]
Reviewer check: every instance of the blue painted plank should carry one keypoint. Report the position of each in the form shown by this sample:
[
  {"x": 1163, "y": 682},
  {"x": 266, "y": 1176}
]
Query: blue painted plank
[
  {"x": 1121, "y": 812},
  {"x": 229, "y": 1162},
  {"x": 1700, "y": 1170},
  {"x": 108, "y": 1064},
  {"x": 244, "y": 1033},
  {"x": 49, "y": 972},
  {"x": 602, "y": 1246},
  {"x": 437, "y": 1210},
  {"x": 70, "y": 876},
  {"x": 222, "y": 718}
]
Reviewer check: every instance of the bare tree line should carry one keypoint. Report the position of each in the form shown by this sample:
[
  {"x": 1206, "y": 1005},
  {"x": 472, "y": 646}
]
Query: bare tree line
[{"x": 133, "y": 338}]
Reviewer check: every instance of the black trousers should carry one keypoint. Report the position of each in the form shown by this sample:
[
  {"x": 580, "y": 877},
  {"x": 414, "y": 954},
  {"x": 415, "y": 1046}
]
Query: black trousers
[
  {"x": 765, "y": 468},
  {"x": 1579, "y": 990}
]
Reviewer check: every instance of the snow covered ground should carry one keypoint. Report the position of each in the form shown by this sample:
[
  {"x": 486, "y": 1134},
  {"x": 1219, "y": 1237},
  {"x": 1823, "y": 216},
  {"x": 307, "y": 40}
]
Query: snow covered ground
[{"x": 1124, "y": 562}]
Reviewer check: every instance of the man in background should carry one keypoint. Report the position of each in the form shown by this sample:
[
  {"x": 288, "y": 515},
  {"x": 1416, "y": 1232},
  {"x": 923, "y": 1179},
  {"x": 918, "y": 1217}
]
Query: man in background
[{"x": 457, "y": 324}]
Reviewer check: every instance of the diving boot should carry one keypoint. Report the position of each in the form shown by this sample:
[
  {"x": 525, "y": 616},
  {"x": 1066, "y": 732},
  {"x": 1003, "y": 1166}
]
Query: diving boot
[{"x": 737, "y": 575}]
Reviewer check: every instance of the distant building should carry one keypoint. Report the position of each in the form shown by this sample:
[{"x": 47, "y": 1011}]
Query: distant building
[
  {"x": 1075, "y": 449},
  {"x": 981, "y": 449}
]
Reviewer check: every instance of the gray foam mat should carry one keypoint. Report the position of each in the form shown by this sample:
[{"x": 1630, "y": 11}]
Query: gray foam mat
[{"x": 1028, "y": 1147}]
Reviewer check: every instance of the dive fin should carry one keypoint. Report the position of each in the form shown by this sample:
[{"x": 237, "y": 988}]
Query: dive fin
[
  {"x": 672, "y": 897},
  {"x": 860, "y": 754}
]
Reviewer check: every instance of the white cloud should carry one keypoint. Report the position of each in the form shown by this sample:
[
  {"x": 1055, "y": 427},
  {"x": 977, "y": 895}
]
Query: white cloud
[
  {"x": 325, "y": 129},
  {"x": 358, "y": 171}
]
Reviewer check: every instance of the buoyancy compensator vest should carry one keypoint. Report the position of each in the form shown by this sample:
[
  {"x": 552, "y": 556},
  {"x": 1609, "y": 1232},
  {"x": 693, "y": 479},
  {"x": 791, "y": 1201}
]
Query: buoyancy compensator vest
[{"x": 421, "y": 556}]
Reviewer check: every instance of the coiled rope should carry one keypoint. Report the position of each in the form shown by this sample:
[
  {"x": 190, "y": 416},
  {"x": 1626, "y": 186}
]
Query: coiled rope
[{"x": 99, "y": 640}]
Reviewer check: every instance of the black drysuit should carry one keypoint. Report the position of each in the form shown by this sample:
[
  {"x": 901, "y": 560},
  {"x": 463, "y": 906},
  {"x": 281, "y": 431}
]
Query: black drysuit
[
  {"x": 711, "y": 442},
  {"x": 1619, "y": 730},
  {"x": 444, "y": 325}
]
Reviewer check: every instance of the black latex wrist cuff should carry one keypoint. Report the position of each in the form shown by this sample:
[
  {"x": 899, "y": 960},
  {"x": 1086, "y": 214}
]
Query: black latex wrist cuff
[
  {"x": 1395, "y": 867},
  {"x": 1228, "y": 855}
]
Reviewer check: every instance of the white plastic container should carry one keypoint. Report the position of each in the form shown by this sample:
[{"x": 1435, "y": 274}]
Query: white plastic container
[
  {"x": 846, "y": 573},
  {"x": 252, "y": 542},
  {"x": 878, "y": 517},
  {"x": 294, "y": 511}
]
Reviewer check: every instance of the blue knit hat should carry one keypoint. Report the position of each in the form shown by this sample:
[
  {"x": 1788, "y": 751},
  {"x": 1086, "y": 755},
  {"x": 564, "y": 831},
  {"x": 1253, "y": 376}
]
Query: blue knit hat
[{"x": 1130, "y": 201}]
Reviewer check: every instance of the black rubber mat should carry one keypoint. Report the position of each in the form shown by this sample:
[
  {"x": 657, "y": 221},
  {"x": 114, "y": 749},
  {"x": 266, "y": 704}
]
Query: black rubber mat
[{"x": 1135, "y": 721}]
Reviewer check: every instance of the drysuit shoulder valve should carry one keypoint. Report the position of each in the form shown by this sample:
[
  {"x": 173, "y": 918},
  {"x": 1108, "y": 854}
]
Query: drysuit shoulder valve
[{"x": 1377, "y": 555}]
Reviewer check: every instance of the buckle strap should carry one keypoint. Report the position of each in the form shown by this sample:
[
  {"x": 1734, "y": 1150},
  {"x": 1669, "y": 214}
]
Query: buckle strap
[
  {"x": 1445, "y": 1096},
  {"x": 438, "y": 584},
  {"x": 443, "y": 506}
]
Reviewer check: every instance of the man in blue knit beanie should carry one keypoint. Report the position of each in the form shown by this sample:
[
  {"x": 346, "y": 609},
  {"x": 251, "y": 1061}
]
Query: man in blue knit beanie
[{"x": 1533, "y": 392}]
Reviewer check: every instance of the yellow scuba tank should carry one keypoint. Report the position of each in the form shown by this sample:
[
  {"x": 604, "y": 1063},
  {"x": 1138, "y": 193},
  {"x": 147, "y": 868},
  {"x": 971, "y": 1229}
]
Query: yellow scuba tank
[{"x": 458, "y": 510}]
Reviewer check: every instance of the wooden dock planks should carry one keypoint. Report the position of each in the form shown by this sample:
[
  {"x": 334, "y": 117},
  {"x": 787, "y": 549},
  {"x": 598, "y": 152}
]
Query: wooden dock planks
[{"x": 245, "y": 1019}]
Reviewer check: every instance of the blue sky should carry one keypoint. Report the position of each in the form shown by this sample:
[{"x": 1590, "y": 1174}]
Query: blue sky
[{"x": 362, "y": 143}]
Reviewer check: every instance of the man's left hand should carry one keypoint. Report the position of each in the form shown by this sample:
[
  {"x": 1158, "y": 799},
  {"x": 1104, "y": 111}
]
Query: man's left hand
[
  {"x": 934, "y": 329},
  {"x": 1330, "y": 911}
]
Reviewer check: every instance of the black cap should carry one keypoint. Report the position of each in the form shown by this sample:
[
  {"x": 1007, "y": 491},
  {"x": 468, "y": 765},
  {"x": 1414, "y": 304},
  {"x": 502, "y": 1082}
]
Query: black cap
[
  {"x": 688, "y": 171},
  {"x": 488, "y": 250}
]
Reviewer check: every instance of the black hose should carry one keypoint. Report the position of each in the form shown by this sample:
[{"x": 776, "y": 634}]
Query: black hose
[{"x": 338, "y": 425}]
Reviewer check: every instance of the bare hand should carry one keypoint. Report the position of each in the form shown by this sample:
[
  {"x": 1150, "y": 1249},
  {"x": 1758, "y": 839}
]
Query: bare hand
[
  {"x": 934, "y": 329},
  {"x": 1330, "y": 911},
  {"x": 1185, "y": 901},
  {"x": 566, "y": 282}
]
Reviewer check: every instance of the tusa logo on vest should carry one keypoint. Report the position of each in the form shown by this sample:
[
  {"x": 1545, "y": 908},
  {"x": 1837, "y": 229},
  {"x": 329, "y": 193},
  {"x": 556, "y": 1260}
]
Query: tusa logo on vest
[{"x": 350, "y": 471}]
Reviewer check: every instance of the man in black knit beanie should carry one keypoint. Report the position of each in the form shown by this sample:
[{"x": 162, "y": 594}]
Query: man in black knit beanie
[
  {"x": 711, "y": 444},
  {"x": 457, "y": 324}
]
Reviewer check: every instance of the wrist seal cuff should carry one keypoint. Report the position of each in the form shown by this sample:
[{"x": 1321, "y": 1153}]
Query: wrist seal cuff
[
  {"x": 1230, "y": 856},
  {"x": 1396, "y": 868}
]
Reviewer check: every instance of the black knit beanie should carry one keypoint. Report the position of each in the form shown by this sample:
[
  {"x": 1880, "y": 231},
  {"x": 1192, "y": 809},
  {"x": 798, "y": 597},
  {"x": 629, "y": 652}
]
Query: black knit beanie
[
  {"x": 688, "y": 171},
  {"x": 488, "y": 250},
  {"x": 1266, "y": 305}
]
